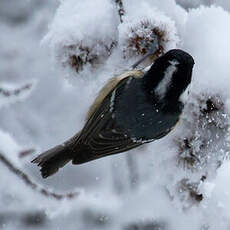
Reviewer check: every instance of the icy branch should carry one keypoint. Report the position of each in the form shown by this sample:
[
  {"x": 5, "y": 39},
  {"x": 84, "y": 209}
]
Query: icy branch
[
  {"x": 26, "y": 179},
  {"x": 11, "y": 93},
  {"x": 15, "y": 92},
  {"x": 120, "y": 8}
]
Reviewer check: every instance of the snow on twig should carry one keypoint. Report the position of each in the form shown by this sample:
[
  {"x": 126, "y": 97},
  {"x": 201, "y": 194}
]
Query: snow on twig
[
  {"x": 28, "y": 181},
  {"x": 120, "y": 9},
  {"x": 10, "y": 93}
]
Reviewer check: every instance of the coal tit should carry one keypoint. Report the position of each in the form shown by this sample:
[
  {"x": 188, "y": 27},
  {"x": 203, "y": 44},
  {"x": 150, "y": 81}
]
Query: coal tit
[{"x": 132, "y": 109}]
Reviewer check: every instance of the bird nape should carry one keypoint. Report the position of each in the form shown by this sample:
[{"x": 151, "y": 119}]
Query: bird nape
[{"x": 132, "y": 109}]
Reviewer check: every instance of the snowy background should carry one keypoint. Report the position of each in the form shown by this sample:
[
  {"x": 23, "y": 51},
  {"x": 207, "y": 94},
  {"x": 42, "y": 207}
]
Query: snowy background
[{"x": 54, "y": 58}]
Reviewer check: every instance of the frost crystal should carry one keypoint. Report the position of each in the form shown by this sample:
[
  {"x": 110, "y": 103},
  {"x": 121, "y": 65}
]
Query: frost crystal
[{"x": 10, "y": 93}]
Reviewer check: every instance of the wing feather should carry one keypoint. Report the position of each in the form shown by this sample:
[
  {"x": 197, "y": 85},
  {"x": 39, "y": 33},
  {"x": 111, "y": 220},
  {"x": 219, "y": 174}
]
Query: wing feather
[
  {"x": 101, "y": 134},
  {"x": 111, "y": 84}
]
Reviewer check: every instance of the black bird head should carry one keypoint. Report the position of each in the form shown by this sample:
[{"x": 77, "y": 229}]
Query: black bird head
[{"x": 169, "y": 76}]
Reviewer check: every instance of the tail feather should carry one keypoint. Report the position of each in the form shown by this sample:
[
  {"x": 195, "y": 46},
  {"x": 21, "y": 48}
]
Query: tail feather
[
  {"x": 84, "y": 154},
  {"x": 53, "y": 159}
]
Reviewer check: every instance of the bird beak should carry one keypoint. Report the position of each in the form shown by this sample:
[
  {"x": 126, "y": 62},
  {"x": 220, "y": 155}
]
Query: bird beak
[{"x": 153, "y": 49}]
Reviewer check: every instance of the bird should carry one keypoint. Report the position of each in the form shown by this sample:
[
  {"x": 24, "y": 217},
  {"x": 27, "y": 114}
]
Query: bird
[{"x": 132, "y": 109}]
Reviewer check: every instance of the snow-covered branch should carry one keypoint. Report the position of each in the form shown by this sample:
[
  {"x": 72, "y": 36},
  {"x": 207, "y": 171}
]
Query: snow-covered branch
[
  {"x": 29, "y": 182},
  {"x": 120, "y": 9},
  {"x": 10, "y": 93}
]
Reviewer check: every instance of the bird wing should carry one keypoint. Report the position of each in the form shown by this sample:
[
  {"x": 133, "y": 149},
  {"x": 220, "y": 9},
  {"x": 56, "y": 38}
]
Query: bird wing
[
  {"x": 111, "y": 84},
  {"x": 101, "y": 135}
]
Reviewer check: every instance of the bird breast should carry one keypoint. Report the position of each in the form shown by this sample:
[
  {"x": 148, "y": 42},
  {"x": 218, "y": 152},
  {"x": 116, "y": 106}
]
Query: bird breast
[{"x": 142, "y": 118}]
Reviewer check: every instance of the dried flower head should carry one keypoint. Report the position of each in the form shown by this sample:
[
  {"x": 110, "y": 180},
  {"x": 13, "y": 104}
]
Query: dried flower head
[
  {"x": 189, "y": 193},
  {"x": 145, "y": 36},
  {"x": 207, "y": 141},
  {"x": 78, "y": 55}
]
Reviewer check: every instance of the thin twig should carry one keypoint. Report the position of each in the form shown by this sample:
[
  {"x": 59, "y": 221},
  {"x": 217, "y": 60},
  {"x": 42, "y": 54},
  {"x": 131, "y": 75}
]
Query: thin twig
[
  {"x": 15, "y": 92},
  {"x": 26, "y": 179},
  {"x": 26, "y": 153},
  {"x": 120, "y": 8}
]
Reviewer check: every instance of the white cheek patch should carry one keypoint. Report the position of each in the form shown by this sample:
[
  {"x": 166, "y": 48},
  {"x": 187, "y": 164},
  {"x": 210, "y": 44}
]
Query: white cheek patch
[{"x": 163, "y": 85}]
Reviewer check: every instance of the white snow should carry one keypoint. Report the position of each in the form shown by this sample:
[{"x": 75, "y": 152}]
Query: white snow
[
  {"x": 10, "y": 148},
  {"x": 70, "y": 28},
  {"x": 209, "y": 46}
]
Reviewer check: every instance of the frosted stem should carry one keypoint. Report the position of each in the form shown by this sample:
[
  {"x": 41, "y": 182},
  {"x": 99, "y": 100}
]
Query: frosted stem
[
  {"x": 26, "y": 179},
  {"x": 15, "y": 92},
  {"x": 120, "y": 8}
]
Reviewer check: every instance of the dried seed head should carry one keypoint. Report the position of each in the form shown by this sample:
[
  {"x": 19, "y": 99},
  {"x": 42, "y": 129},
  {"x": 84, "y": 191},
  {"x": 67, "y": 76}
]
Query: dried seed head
[
  {"x": 206, "y": 140},
  {"x": 77, "y": 56},
  {"x": 141, "y": 39},
  {"x": 189, "y": 192}
]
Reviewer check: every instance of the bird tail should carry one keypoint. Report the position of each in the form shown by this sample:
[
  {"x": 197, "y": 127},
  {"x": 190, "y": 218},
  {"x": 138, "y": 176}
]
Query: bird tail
[{"x": 53, "y": 159}]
